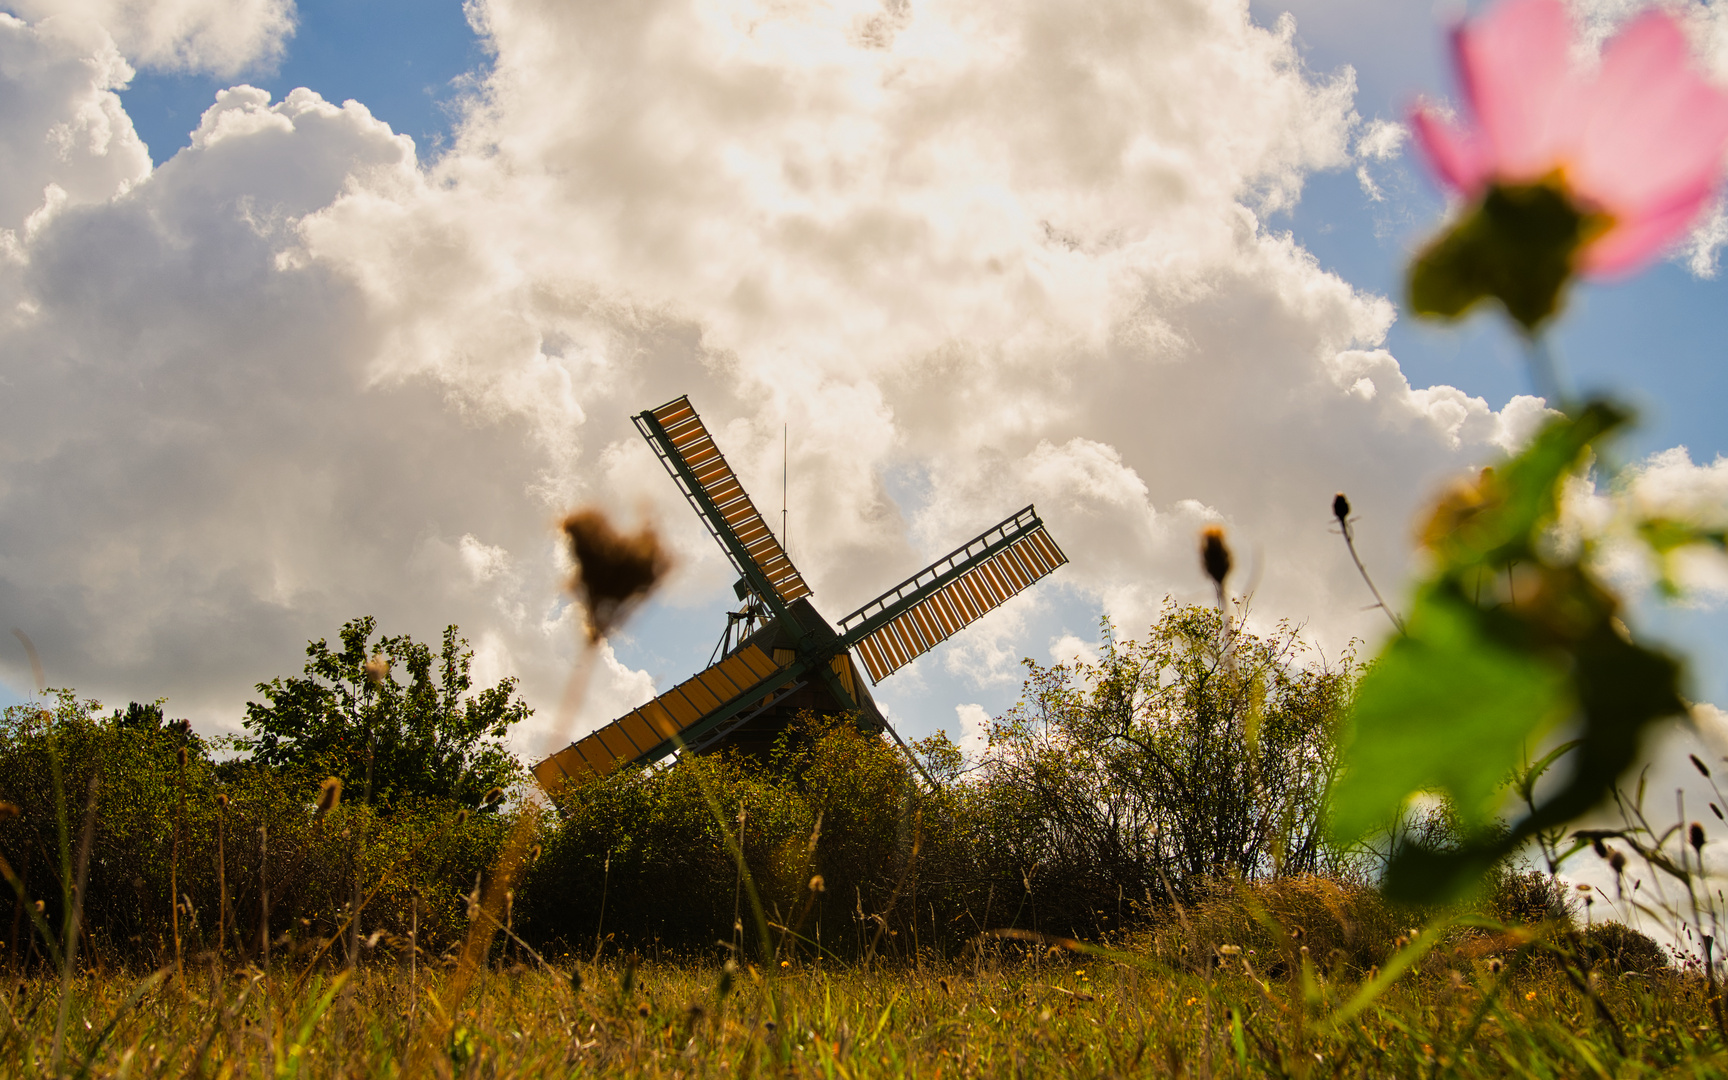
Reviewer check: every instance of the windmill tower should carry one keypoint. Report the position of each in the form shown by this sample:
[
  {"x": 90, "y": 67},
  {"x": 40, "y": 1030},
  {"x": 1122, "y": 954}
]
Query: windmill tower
[{"x": 778, "y": 657}]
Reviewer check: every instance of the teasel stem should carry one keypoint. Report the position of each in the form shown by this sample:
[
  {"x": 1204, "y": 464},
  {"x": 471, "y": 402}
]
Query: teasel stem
[{"x": 1341, "y": 511}]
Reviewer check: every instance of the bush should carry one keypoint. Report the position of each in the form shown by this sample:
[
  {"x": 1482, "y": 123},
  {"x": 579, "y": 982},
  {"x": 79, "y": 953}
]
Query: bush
[{"x": 265, "y": 832}]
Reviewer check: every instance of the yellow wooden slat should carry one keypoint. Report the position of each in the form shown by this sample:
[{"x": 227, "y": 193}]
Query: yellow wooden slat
[
  {"x": 760, "y": 662},
  {"x": 639, "y": 732},
  {"x": 682, "y": 710},
  {"x": 612, "y": 738},
  {"x": 699, "y": 696},
  {"x": 594, "y": 752},
  {"x": 659, "y": 719},
  {"x": 715, "y": 682}
]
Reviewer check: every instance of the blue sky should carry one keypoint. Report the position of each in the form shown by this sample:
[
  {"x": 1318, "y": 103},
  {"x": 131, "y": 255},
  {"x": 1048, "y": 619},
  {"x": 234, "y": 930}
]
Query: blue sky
[{"x": 1656, "y": 339}]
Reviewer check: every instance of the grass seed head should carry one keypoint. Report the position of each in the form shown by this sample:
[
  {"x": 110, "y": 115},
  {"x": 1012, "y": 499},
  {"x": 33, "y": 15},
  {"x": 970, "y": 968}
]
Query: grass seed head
[
  {"x": 614, "y": 571},
  {"x": 329, "y": 797},
  {"x": 1214, "y": 555},
  {"x": 1697, "y": 837},
  {"x": 377, "y": 669}
]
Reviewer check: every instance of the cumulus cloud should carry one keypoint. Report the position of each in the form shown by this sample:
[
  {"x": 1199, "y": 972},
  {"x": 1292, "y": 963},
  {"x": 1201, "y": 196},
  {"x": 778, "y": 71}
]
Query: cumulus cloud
[
  {"x": 222, "y": 37},
  {"x": 975, "y": 254}
]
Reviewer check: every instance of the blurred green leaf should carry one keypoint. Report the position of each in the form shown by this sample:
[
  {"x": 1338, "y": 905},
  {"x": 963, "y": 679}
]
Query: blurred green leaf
[
  {"x": 1517, "y": 246},
  {"x": 1508, "y": 637},
  {"x": 1447, "y": 708}
]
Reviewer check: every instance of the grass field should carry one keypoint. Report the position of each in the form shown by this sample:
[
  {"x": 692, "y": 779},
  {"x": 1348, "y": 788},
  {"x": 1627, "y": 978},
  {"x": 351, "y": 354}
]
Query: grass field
[{"x": 1050, "y": 1014}]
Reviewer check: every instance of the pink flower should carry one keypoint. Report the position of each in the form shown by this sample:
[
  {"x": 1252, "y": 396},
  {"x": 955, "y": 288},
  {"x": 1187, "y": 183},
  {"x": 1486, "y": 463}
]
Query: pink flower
[{"x": 1640, "y": 140}]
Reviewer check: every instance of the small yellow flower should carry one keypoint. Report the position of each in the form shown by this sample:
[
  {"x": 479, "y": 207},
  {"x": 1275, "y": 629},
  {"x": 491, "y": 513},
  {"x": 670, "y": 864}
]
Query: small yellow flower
[{"x": 1531, "y": 996}]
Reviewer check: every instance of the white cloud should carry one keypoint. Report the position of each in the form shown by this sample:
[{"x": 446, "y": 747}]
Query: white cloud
[
  {"x": 222, "y": 37},
  {"x": 991, "y": 252},
  {"x": 974, "y": 740}
]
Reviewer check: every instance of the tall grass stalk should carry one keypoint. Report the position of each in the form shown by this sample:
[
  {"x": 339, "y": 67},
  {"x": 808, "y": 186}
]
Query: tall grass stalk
[{"x": 74, "y": 912}]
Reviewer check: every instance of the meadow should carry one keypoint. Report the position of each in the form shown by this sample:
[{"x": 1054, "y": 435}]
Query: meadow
[{"x": 1138, "y": 880}]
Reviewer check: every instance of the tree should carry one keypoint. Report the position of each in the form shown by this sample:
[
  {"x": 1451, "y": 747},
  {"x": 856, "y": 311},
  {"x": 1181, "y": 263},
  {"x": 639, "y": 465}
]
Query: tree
[
  {"x": 1195, "y": 754},
  {"x": 427, "y": 737}
]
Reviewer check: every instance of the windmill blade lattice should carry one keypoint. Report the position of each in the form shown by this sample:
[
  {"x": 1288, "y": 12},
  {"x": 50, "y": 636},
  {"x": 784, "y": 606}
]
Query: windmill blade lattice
[
  {"x": 958, "y": 589},
  {"x": 687, "y": 450}
]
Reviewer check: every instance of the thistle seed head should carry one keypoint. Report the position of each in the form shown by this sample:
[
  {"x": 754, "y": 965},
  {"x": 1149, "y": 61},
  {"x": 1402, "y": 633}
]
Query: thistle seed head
[
  {"x": 1697, "y": 836},
  {"x": 1340, "y": 507}
]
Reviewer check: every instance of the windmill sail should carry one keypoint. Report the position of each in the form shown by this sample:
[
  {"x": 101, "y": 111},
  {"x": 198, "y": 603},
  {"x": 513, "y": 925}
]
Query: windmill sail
[
  {"x": 689, "y": 454},
  {"x": 937, "y": 602},
  {"x": 741, "y": 679}
]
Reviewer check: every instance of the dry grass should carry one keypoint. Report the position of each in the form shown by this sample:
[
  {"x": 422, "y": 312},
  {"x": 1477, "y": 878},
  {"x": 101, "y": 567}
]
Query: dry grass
[{"x": 1038, "y": 1014}]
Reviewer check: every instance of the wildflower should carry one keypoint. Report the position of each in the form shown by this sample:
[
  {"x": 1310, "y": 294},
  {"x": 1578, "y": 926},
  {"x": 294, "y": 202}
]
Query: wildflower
[
  {"x": 1567, "y": 171},
  {"x": 817, "y": 884},
  {"x": 1530, "y": 996},
  {"x": 1229, "y": 950}
]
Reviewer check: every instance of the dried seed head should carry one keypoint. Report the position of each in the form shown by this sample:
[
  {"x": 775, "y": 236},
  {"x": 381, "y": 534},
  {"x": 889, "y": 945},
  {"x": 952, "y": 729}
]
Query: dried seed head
[
  {"x": 642, "y": 1011},
  {"x": 180, "y": 756},
  {"x": 1697, "y": 836},
  {"x": 1495, "y": 966},
  {"x": 1717, "y": 810},
  {"x": 40, "y": 907},
  {"x": 1582, "y": 887},
  {"x": 9, "y": 810},
  {"x": 943, "y": 983},
  {"x": 1296, "y": 933},
  {"x": 534, "y": 853},
  {"x": 1340, "y": 507},
  {"x": 1598, "y": 847},
  {"x": 493, "y": 797},
  {"x": 461, "y": 817},
  {"x": 614, "y": 572},
  {"x": 1703, "y": 769},
  {"x": 1618, "y": 862},
  {"x": 1214, "y": 556},
  {"x": 377, "y": 669},
  {"x": 818, "y": 885},
  {"x": 329, "y": 797},
  {"x": 222, "y": 800}
]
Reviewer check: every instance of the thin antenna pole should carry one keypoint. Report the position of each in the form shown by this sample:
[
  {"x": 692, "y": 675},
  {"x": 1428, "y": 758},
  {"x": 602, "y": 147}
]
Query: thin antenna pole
[{"x": 785, "y": 443}]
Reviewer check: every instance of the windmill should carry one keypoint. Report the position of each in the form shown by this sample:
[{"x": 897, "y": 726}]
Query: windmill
[{"x": 778, "y": 657}]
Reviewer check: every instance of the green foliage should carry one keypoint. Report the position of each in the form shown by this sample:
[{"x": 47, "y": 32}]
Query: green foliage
[
  {"x": 1510, "y": 635},
  {"x": 264, "y": 836},
  {"x": 1516, "y": 246},
  {"x": 426, "y": 738},
  {"x": 1194, "y": 754}
]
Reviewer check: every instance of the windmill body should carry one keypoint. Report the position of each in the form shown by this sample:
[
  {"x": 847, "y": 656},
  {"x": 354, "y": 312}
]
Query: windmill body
[{"x": 779, "y": 656}]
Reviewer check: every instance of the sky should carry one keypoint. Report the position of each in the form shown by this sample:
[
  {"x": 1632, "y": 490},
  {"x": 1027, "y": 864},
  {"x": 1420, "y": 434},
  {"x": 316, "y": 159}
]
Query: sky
[{"x": 319, "y": 310}]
